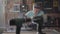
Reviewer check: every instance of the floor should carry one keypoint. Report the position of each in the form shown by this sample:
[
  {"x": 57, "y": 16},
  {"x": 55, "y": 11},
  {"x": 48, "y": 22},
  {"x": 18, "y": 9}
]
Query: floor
[{"x": 47, "y": 31}]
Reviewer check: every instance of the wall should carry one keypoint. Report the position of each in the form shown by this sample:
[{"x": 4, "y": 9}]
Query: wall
[
  {"x": 9, "y": 15},
  {"x": 2, "y": 16}
]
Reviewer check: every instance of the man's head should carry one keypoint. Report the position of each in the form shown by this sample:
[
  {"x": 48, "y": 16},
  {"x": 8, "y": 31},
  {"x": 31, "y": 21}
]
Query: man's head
[{"x": 37, "y": 7}]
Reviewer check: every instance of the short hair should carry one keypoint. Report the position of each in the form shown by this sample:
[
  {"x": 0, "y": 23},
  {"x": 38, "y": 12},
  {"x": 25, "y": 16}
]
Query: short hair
[{"x": 38, "y": 5}]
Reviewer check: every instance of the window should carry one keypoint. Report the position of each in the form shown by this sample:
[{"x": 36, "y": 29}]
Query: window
[{"x": 16, "y": 8}]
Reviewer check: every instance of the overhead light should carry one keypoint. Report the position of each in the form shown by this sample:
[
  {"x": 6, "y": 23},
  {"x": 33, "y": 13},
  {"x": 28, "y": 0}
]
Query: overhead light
[{"x": 23, "y": 6}]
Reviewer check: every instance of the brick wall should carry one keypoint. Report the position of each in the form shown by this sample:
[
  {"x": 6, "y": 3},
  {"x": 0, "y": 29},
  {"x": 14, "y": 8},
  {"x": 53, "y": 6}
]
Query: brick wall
[{"x": 9, "y": 15}]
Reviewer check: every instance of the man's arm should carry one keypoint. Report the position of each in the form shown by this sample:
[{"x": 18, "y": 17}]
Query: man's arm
[{"x": 29, "y": 14}]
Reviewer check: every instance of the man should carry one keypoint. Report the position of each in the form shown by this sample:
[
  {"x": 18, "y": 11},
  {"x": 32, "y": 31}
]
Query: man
[{"x": 36, "y": 12}]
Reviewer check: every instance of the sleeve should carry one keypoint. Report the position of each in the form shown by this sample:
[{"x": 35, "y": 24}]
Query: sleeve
[{"x": 29, "y": 14}]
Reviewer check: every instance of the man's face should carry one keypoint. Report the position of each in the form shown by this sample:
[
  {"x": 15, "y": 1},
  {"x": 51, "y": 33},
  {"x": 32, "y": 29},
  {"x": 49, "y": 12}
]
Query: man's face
[{"x": 36, "y": 9}]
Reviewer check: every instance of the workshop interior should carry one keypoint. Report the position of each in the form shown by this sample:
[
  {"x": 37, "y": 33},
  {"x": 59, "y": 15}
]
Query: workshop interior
[{"x": 13, "y": 19}]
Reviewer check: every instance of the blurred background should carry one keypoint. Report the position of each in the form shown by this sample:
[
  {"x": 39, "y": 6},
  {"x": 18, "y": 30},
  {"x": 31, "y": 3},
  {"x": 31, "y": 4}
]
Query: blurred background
[{"x": 10, "y": 9}]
